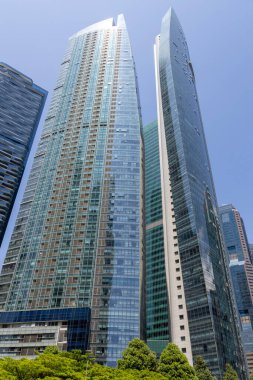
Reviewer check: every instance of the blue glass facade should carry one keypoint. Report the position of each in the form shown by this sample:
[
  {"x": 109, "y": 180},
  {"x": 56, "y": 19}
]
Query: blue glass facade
[
  {"x": 241, "y": 288},
  {"x": 211, "y": 315},
  {"x": 21, "y": 105},
  {"x": 78, "y": 239},
  {"x": 241, "y": 270},
  {"x": 231, "y": 222},
  {"x": 78, "y": 322}
]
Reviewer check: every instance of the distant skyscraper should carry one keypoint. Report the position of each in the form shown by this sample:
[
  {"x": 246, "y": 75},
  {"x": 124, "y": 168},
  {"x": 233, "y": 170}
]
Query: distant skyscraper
[
  {"x": 202, "y": 313},
  {"x": 73, "y": 269},
  {"x": 21, "y": 105},
  {"x": 251, "y": 251},
  {"x": 241, "y": 272}
]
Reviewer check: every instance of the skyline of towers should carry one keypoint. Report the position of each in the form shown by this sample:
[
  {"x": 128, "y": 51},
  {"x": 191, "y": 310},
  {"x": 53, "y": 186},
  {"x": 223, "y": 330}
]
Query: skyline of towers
[
  {"x": 77, "y": 246},
  {"x": 241, "y": 269},
  {"x": 73, "y": 275},
  {"x": 202, "y": 314},
  {"x": 21, "y": 106}
]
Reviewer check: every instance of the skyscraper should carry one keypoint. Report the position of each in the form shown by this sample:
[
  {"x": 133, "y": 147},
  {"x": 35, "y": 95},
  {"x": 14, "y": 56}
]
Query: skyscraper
[
  {"x": 241, "y": 269},
  {"x": 157, "y": 306},
  {"x": 21, "y": 105},
  {"x": 72, "y": 274},
  {"x": 251, "y": 251},
  {"x": 202, "y": 313}
]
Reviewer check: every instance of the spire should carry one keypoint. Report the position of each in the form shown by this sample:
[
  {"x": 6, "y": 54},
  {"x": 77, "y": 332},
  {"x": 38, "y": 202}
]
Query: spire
[
  {"x": 171, "y": 14},
  {"x": 105, "y": 24},
  {"x": 121, "y": 21}
]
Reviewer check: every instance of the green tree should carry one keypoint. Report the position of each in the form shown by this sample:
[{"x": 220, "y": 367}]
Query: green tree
[
  {"x": 138, "y": 356},
  {"x": 83, "y": 361},
  {"x": 4, "y": 374},
  {"x": 52, "y": 350},
  {"x": 174, "y": 365},
  {"x": 49, "y": 378},
  {"x": 202, "y": 371},
  {"x": 98, "y": 372},
  {"x": 230, "y": 373},
  {"x": 52, "y": 364},
  {"x": 148, "y": 375},
  {"x": 251, "y": 376},
  {"x": 24, "y": 369},
  {"x": 59, "y": 365}
]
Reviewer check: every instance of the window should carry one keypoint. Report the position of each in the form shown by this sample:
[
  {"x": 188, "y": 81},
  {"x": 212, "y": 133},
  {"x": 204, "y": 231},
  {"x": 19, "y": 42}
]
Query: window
[{"x": 225, "y": 218}]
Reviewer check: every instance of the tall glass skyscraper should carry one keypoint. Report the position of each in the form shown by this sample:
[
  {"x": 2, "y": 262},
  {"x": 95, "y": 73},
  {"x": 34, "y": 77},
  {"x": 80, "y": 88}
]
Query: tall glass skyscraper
[
  {"x": 73, "y": 272},
  {"x": 21, "y": 105},
  {"x": 157, "y": 307},
  {"x": 241, "y": 270},
  {"x": 202, "y": 314}
]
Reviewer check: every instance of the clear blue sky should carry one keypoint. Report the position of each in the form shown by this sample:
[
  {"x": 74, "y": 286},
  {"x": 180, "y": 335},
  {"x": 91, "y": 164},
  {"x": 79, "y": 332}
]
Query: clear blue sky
[{"x": 33, "y": 36}]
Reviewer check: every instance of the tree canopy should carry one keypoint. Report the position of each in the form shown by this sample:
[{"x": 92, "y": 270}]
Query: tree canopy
[
  {"x": 51, "y": 365},
  {"x": 99, "y": 372},
  {"x": 138, "y": 363},
  {"x": 174, "y": 364},
  {"x": 138, "y": 356},
  {"x": 230, "y": 373},
  {"x": 202, "y": 370}
]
